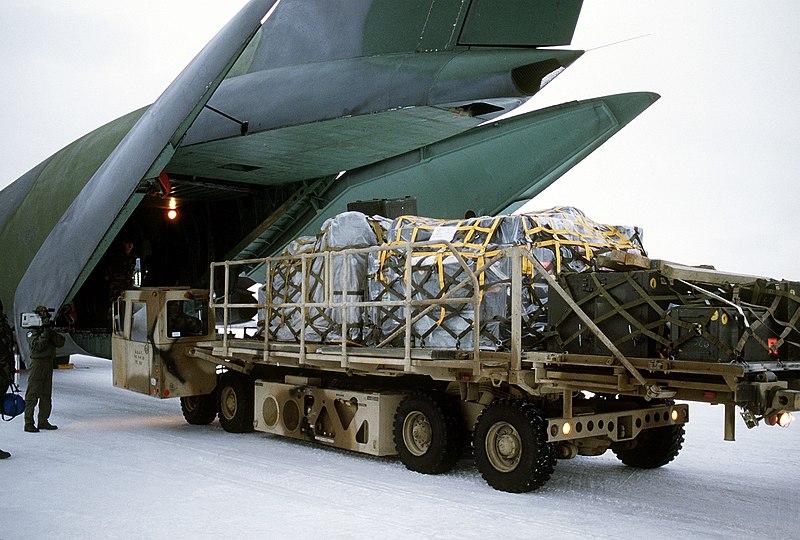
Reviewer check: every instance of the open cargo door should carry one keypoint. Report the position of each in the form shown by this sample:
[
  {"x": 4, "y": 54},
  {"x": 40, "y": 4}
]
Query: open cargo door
[{"x": 113, "y": 192}]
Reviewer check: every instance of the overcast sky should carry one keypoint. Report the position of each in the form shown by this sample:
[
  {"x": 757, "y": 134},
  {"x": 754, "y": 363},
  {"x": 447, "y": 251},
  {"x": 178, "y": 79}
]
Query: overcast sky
[{"x": 709, "y": 171}]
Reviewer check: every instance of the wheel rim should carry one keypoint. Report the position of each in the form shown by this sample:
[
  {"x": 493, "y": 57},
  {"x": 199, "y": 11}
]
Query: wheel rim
[
  {"x": 503, "y": 447},
  {"x": 417, "y": 433},
  {"x": 227, "y": 403}
]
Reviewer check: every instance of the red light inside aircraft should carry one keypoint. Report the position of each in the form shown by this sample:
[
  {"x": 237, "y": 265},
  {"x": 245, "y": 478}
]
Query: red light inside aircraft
[{"x": 164, "y": 183}]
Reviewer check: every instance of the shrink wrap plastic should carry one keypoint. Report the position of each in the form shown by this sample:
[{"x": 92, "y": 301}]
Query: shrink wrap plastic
[
  {"x": 562, "y": 239},
  {"x": 346, "y": 230}
]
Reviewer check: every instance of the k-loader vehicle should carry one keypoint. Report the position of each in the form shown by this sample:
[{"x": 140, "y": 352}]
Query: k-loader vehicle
[{"x": 450, "y": 341}]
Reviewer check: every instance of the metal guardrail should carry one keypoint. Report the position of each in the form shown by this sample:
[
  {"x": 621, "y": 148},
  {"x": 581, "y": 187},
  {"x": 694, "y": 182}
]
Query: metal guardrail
[
  {"x": 523, "y": 264},
  {"x": 519, "y": 256},
  {"x": 414, "y": 309}
]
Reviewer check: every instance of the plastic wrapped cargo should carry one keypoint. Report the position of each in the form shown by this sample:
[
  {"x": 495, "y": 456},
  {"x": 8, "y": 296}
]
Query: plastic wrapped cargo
[
  {"x": 562, "y": 239},
  {"x": 285, "y": 323},
  {"x": 449, "y": 325},
  {"x": 324, "y": 267}
]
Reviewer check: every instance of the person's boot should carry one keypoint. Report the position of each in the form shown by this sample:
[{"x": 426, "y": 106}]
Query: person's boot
[
  {"x": 47, "y": 425},
  {"x": 4, "y": 454},
  {"x": 30, "y": 428}
]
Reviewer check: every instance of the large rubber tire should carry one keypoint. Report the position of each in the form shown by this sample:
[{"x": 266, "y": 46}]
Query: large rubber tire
[
  {"x": 428, "y": 434},
  {"x": 236, "y": 396},
  {"x": 459, "y": 434},
  {"x": 652, "y": 448},
  {"x": 199, "y": 410},
  {"x": 511, "y": 448}
]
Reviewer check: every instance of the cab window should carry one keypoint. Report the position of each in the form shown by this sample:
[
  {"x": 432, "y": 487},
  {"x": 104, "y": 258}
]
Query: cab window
[
  {"x": 119, "y": 317},
  {"x": 187, "y": 318},
  {"x": 139, "y": 322}
]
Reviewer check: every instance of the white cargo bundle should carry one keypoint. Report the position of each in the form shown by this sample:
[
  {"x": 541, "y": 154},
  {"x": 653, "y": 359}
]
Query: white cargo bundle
[{"x": 562, "y": 239}]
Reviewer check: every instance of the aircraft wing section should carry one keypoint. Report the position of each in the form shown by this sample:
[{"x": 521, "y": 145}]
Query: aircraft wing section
[
  {"x": 483, "y": 170},
  {"x": 111, "y": 193}
]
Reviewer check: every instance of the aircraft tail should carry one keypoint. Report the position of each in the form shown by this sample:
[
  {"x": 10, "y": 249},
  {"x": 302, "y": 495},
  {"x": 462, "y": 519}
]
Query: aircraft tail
[{"x": 326, "y": 30}]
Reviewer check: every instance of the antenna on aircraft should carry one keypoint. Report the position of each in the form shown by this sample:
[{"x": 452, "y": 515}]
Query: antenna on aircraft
[{"x": 618, "y": 42}]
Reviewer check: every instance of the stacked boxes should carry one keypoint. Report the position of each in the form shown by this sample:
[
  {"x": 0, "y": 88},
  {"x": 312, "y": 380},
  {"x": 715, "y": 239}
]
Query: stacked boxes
[
  {"x": 782, "y": 298},
  {"x": 629, "y": 308},
  {"x": 719, "y": 334},
  {"x": 285, "y": 323},
  {"x": 560, "y": 238},
  {"x": 433, "y": 275},
  {"x": 432, "y": 262},
  {"x": 324, "y": 273},
  {"x": 647, "y": 315}
]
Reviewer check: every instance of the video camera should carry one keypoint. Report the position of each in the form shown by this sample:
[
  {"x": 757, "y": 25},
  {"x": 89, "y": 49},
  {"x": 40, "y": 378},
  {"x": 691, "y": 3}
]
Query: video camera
[{"x": 34, "y": 320}]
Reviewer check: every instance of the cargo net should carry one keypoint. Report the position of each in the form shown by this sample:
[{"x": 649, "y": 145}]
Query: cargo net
[
  {"x": 645, "y": 314},
  {"x": 441, "y": 270},
  {"x": 560, "y": 238},
  {"x": 312, "y": 262}
]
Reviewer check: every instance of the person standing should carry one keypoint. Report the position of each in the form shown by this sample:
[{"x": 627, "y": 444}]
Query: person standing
[
  {"x": 121, "y": 268},
  {"x": 7, "y": 367},
  {"x": 43, "y": 342}
]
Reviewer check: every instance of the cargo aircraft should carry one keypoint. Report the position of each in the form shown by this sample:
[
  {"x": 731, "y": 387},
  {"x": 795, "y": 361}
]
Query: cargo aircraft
[{"x": 293, "y": 110}]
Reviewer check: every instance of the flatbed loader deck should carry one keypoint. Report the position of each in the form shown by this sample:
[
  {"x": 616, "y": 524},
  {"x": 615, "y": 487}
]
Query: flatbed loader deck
[{"x": 540, "y": 373}]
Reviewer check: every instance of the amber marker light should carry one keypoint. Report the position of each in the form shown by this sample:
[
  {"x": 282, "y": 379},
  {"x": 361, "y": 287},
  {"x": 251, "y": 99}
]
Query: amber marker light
[
  {"x": 172, "y": 214},
  {"x": 674, "y": 415},
  {"x": 785, "y": 418},
  {"x": 566, "y": 429}
]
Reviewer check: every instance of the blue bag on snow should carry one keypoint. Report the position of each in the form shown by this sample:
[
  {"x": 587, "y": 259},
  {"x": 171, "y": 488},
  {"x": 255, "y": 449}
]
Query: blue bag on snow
[{"x": 13, "y": 404}]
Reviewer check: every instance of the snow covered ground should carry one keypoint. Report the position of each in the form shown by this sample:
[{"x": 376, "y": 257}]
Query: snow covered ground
[{"x": 122, "y": 465}]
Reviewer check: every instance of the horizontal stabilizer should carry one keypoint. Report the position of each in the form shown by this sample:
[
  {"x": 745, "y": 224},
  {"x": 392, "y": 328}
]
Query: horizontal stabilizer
[
  {"x": 483, "y": 170},
  {"x": 322, "y": 31}
]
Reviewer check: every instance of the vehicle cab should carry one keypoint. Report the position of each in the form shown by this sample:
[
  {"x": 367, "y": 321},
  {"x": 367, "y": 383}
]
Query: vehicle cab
[{"x": 153, "y": 329}]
